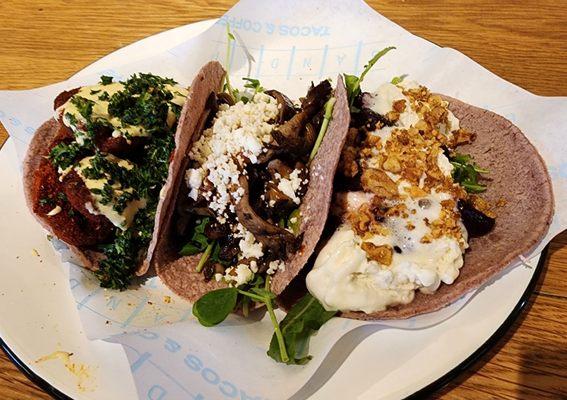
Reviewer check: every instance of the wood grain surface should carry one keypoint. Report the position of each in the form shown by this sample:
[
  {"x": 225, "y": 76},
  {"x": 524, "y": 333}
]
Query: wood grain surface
[{"x": 525, "y": 42}]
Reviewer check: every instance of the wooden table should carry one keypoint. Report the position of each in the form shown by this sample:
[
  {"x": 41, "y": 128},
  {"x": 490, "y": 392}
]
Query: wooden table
[{"x": 524, "y": 42}]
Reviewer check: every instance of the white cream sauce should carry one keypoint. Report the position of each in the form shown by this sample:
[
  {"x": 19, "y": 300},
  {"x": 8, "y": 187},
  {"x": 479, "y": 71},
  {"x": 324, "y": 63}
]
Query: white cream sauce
[{"x": 344, "y": 278}]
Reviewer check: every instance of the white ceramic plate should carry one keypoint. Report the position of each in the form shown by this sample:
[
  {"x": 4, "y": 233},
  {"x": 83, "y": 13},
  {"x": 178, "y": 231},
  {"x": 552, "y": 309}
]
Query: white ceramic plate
[{"x": 38, "y": 314}]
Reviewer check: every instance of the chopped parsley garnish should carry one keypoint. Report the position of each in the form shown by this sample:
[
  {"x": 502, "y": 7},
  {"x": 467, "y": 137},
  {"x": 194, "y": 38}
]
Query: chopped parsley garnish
[
  {"x": 467, "y": 173},
  {"x": 95, "y": 91},
  {"x": 106, "y": 80},
  {"x": 64, "y": 154},
  {"x": 144, "y": 101},
  {"x": 44, "y": 201},
  {"x": 84, "y": 106},
  {"x": 104, "y": 96}
]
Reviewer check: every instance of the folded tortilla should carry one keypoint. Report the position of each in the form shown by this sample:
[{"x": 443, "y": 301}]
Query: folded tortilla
[
  {"x": 179, "y": 272},
  {"x": 41, "y": 144},
  {"x": 518, "y": 176}
]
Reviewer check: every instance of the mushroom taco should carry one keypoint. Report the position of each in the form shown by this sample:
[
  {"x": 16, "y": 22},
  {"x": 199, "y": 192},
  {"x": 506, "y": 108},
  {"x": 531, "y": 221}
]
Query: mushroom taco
[
  {"x": 432, "y": 198},
  {"x": 93, "y": 174},
  {"x": 252, "y": 192}
]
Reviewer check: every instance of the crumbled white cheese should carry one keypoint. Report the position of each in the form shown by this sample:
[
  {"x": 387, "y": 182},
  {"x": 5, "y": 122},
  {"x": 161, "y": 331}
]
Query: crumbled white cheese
[
  {"x": 194, "y": 178},
  {"x": 239, "y": 275},
  {"x": 248, "y": 245},
  {"x": 290, "y": 186},
  {"x": 238, "y": 136},
  {"x": 275, "y": 266}
]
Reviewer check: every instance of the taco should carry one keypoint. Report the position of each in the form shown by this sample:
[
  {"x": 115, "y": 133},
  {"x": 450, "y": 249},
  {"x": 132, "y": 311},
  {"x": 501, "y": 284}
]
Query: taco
[
  {"x": 253, "y": 192},
  {"x": 434, "y": 197},
  {"x": 93, "y": 174}
]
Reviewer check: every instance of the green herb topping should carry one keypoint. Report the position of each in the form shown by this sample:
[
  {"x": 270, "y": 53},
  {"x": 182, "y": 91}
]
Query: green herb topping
[
  {"x": 301, "y": 322},
  {"x": 106, "y": 80},
  {"x": 467, "y": 173},
  {"x": 352, "y": 82}
]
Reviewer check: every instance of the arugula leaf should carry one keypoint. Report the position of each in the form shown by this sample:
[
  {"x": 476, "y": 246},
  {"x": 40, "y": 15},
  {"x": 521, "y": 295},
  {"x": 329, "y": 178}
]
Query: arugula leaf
[
  {"x": 190, "y": 249},
  {"x": 467, "y": 173},
  {"x": 329, "y": 105},
  {"x": 214, "y": 307},
  {"x": 352, "y": 82},
  {"x": 199, "y": 241},
  {"x": 253, "y": 84},
  {"x": 301, "y": 322}
]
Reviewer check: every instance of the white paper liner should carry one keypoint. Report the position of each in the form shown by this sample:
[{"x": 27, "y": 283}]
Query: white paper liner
[{"x": 293, "y": 42}]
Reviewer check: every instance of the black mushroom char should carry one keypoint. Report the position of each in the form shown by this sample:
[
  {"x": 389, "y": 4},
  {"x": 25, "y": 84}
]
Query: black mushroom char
[
  {"x": 275, "y": 238},
  {"x": 286, "y": 107},
  {"x": 292, "y": 135}
]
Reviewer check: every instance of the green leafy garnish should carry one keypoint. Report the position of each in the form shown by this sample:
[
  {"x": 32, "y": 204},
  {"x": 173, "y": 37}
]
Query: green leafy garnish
[
  {"x": 64, "y": 154},
  {"x": 253, "y": 84},
  {"x": 144, "y": 101},
  {"x": 396, "y": 80},
  {"x": 226, "y": 86},
  {"x": 353, "y": 82},
  {"x": 329, "y": 105},
  {"x": 106, "y": 80},
  {"x": 199, "y": 242},
  {"x": 214, "y": 307},
  {"x": 84, "y": 106},
  {"x": 466, "y": 173},
  {"x": 301, "y": 322},
  {"x": 294, "y": 221}
]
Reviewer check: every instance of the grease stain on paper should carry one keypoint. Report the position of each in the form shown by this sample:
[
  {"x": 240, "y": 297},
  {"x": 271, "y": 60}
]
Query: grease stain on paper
[{"x": 85, "y": 379}]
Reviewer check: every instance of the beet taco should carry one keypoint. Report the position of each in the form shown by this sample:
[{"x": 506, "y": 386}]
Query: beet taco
[
  {"x": 93, "y": 174},
  {"x": 431, "y": 200}
]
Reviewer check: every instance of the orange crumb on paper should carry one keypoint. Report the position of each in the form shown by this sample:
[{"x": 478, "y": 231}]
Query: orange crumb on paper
[{"x": 167, "y": 299}]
